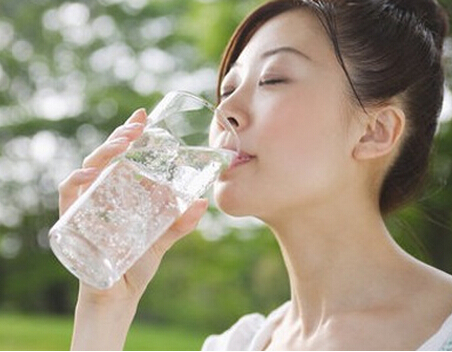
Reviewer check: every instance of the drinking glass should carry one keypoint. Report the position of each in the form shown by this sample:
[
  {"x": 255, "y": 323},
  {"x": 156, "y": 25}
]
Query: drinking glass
[{"x": 140, "y": 194}]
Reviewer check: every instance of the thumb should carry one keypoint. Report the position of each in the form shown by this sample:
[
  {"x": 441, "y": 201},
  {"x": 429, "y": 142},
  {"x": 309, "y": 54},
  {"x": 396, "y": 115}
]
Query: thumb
[
  {"x": 183, "y": 226},
  {"x": 189, "y": 220}
]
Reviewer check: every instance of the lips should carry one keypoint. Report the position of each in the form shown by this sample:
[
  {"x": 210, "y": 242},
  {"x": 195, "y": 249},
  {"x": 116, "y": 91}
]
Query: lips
[
  {"x": 242, "y": 156},
  {"x": 240, "y": 159}
]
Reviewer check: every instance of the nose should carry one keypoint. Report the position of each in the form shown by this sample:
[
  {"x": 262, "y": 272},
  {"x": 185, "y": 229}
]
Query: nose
[
  {"x": 234, "y": 111},
  {"x": 228, "y": 119},
  {"x": 233, "y": 122}
]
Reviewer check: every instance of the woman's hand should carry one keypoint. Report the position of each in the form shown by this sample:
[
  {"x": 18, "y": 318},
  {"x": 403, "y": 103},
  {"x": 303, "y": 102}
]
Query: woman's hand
[{"x": 97, "y": 310}]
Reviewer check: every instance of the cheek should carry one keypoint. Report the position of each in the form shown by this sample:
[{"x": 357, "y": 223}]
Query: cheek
[
  {"x": 306, "y": 151},
  {"x": 293, "y": 135}
]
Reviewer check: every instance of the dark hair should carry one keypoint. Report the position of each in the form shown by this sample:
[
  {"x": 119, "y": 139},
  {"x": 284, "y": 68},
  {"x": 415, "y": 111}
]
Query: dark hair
[{"x": 386, "y": 48}]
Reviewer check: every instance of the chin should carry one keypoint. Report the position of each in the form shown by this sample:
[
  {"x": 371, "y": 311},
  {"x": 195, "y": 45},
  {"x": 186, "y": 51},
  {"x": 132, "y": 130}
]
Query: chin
[{"x": 230, "y": 202}]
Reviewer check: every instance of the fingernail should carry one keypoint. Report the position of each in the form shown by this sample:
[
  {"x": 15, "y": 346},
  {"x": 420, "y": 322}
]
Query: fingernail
[
  {"x": 139, "y": 111},
  {"x": 120, "y": 140},
  {"x": 89, "y": 172},
  {"x": 134, "y": 126},
  {"x": 135, "y": 113}
]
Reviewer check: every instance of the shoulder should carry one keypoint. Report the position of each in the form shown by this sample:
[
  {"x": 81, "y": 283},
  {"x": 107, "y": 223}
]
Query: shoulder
[
  {"x": 436, "y": 303},
  {"x": 238, "y": 336},
  {"x": 250, "y": 332},
  {"x": 441, "y": 340}
]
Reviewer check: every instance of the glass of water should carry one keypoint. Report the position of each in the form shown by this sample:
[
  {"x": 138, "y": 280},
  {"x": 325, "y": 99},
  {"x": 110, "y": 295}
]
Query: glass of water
[{"x": 140, "y": 194}]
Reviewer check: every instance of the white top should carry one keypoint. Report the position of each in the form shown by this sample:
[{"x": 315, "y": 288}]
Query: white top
[{"x": 252, "y": 332}]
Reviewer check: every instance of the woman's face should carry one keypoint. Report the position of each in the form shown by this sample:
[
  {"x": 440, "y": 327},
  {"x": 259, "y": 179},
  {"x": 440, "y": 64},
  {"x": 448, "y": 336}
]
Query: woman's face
[{"x": 288, "y": 95}]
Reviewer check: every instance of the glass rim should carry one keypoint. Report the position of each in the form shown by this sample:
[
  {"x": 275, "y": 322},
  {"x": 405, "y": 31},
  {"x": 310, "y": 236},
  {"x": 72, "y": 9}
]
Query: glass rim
[{"x": 223, "y": 120}]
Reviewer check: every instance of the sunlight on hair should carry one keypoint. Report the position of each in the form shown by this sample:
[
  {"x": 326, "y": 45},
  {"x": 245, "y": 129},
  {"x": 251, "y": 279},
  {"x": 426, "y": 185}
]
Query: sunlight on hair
[{"x": 446, "y": 112}]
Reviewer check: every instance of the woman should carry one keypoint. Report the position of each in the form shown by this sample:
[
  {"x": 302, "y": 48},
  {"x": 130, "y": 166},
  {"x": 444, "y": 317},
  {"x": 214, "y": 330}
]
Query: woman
[{"x": 336, "y": 105}]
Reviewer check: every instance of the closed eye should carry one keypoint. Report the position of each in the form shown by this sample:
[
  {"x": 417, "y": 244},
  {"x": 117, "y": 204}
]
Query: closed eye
[
  {"x": 224, "y": 94},
  {"x": 271, "y": 81}
]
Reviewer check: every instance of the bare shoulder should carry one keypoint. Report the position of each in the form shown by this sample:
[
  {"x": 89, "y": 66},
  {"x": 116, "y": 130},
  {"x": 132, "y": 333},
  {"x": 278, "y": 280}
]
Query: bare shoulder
[
  {"x": 423, "y": 307},
  {"x": 437, "y": 282},
  {"x": 434, "y": 295}
]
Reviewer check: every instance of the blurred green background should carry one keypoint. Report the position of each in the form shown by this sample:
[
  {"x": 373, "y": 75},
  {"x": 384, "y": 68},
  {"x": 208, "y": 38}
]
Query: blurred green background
[{"x": 72, "y": 71}]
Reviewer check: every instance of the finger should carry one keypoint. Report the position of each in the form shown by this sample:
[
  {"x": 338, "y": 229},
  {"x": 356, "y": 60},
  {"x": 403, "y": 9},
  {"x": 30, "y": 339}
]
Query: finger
[
  {"x": 69, "y": 188},
  {"x": 182, "y": 227},
  {"x": 134, "y": 123},
  {"x": 189, "y": 220},
  {"x": 130, "y": 131},
  {"x": 138, "y": 116},
  {"x": 118, "y": 141},
  {"x": 103, "y": 154}
]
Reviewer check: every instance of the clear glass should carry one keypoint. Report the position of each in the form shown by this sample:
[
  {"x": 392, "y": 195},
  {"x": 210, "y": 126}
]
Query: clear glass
[{"x": 142, "y": 192}]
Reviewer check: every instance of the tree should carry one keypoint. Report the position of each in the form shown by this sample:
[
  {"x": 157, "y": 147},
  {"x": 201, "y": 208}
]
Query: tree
[{"x": 70, "y": 72}]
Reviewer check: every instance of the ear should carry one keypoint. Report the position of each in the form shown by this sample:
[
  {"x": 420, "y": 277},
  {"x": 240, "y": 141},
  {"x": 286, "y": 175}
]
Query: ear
[{"x": 382, "y": 132}]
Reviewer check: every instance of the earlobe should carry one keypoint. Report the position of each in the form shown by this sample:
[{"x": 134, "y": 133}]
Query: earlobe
[{"x": 381, "y": 134}]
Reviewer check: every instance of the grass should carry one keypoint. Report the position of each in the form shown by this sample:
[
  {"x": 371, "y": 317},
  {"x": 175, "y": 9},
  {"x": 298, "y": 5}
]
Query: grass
[{"x": 44, "y": 333}]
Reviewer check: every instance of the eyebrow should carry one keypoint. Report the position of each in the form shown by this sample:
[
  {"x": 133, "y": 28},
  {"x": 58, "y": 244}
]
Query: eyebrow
[{"x": 284, "y": 49}]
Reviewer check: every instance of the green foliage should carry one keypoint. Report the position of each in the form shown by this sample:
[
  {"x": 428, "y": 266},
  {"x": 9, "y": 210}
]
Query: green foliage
[
  {"x": 50, "y": 333},
  {"x": 209, "y": 285},
  {"x": 19, "y": 332},
  {"x": 70, "y": 72}
]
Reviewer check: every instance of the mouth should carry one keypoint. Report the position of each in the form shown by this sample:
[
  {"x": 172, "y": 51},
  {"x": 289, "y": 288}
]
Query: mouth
[{"x": 240, "y": 159}]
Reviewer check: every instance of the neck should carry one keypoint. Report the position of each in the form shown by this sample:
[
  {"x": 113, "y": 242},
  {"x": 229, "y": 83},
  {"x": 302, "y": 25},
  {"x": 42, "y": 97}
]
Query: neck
[{"x": 337, "y": 260}]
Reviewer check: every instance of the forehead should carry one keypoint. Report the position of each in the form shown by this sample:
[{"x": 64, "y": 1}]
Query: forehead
[{"x": 298, "y": 28}]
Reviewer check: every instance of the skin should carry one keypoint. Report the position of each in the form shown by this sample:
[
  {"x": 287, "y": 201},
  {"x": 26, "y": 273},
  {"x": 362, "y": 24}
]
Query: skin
[
  {"x": 103, "y": 318},
  {"x": 311, "y": 167},
  {"x": 314, "y": 177}
]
